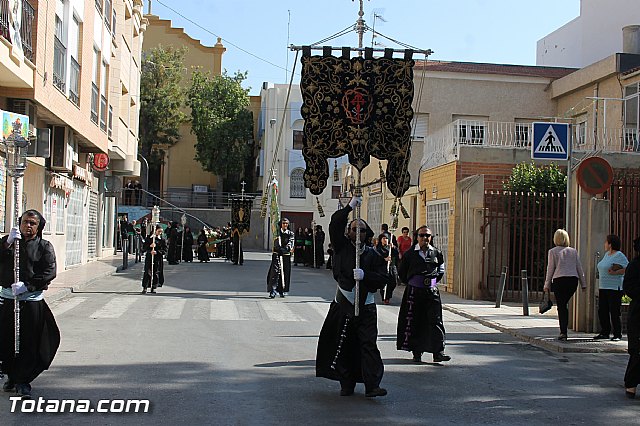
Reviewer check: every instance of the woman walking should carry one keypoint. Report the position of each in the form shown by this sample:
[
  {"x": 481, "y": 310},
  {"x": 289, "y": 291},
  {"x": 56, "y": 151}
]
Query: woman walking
[
  {"x": 564, "y": 270},
  {"x": 611, "y": 270},
  {"x": 631, "y": 285}
]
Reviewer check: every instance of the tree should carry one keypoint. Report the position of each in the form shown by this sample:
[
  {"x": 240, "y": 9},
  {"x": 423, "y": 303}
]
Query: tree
[
  {"x": 162, "y": 99},
  {"x": 528, "y": 177},
  {"x": 222, "y": 123}
]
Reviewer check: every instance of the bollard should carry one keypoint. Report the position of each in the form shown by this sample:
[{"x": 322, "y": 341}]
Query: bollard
[
  {"x": 503, "y": 283},
  {"x": 525, "y": 293},
  {"x": 125, "y": 253}
]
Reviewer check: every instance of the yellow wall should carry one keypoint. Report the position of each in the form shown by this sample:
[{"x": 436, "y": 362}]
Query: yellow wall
[
  {"x": 181, "y": 170},
  {"x": 443, "y": 179}
]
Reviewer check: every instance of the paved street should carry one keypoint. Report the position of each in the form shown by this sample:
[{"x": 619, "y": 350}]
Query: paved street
[{"x": 211, "y": 348}]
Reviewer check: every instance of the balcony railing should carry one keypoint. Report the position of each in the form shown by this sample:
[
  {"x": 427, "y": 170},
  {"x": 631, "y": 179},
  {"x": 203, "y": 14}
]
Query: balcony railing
[
  {"x": 443, "y": 145},
  {"x": 74, "y": 82},
  {"x": 26, "y": 28},
  {"x": 59, "y": 65},
  {"x": 95, "y": 95},
  {"x": 110, "y": 124}
]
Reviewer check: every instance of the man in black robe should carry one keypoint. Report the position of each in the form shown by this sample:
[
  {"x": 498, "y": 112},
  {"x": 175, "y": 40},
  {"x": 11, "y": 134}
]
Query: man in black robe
[
  {"x": 283, "y": 247},
  {"x": 173, "y": 255},
  {"x": 154, "y": 249},
  {"x": 39, "y": 334},
  {"x": 420, "y": 326},
  {"x": 347, "y": 348}
]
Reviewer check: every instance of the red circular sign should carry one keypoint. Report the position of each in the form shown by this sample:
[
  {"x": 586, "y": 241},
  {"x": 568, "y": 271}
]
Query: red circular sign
[
  {"x": 100, "y": 162},
  {"x": 595, "y": 175}
]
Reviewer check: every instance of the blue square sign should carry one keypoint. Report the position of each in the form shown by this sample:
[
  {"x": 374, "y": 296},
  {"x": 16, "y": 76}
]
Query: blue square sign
[{"x": 550, "y": 141}]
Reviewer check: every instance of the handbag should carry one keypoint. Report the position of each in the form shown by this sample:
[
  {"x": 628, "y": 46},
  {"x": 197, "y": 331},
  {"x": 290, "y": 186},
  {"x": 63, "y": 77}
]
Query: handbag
[{"x": 546, "y": 303}]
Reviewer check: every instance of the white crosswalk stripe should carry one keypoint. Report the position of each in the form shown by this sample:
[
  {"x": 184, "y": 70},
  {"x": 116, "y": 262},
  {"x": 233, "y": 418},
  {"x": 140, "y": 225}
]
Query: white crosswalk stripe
[
  {"x": 169, "y": 309},
  {"x": 279, "y": 311},
  {"x": 67, "y": 305},
  {"x": 173, "y": 308},
  {"x": 224, "y": 310},
  {"x": 114, "y": 308}
]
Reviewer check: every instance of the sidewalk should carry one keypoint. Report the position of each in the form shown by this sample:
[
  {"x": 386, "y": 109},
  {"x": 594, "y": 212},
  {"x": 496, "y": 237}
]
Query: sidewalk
[
  {"x": 77, "y": 277},
  {"x": 538, "y": 330}
]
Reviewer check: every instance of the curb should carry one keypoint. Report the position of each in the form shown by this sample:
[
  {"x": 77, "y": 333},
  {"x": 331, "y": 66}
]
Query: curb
[
  {"x": 541, "y": 342},
  {"x": 62, "y": 292}
]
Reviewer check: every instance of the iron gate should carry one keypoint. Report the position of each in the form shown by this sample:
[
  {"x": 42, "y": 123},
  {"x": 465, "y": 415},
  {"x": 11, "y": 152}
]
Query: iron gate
[
  {"x": 517, "y": 233},
  {"x": 624, "y": 198}
]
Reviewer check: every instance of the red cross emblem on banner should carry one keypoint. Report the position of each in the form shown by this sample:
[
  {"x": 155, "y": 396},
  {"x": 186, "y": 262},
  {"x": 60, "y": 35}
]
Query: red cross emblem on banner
[{"x": 356, "y": 105}]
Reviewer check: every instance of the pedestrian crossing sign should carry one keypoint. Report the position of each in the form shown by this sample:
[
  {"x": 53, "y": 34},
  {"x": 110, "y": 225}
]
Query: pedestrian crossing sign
[{"x": 550, "y": 141}]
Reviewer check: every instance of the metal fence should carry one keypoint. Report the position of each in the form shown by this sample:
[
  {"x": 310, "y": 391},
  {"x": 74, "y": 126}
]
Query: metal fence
[
  {"x": 624, "y": 197},
  {"x": 517, "y": 233}
]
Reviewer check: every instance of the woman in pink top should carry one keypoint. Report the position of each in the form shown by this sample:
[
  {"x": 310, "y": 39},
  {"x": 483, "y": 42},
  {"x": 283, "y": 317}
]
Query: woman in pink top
[{"x": 564, "y": 270}]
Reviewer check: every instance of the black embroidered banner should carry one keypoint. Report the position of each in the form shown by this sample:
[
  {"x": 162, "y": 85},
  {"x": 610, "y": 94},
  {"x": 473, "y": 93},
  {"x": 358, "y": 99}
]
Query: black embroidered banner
[
  {"x": 360, "y": 107},
  {"x": 241, "y": 214}
]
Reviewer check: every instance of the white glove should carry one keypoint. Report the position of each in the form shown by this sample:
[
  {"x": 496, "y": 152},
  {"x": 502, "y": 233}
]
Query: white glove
[
  {"x": 355, "y": 202},
  {"x": 358, "y": 274},
  {"x": 18, "y": 288},
  {"x": 13, "y": 235}
]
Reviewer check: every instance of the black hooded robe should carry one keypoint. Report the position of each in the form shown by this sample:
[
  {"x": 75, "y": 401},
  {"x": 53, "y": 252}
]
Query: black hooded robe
[
  {"x": 347, "y": 349},
  {"x": 39, "y": 333}
]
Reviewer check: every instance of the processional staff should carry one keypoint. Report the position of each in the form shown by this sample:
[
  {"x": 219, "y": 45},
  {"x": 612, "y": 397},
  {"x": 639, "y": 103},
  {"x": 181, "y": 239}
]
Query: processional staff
[
  {"x": 16, "y": 150},
  {"x": 155, "y": 218}
]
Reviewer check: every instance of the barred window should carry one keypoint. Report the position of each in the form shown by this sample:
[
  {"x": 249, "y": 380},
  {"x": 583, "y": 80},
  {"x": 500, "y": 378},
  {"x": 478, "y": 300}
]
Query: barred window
[{"x": 297, "y": 189}]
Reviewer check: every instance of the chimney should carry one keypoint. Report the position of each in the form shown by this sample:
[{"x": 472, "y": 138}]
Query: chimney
[{"x": 631, "y": 39}]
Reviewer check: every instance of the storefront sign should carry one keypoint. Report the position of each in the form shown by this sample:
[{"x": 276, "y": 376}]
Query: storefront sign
[
  {"x": 61, "y": 182},
  {"x": 82, "y": 174},
  {"x": 100, "y": 162}
]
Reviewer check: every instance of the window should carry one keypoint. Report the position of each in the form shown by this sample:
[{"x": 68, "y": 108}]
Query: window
[
  {"x": 110, "y": 126},
  {"x": 104, "y": 74},
  {"x": 438, "y": 221},
  {"x": 95, "y": 93},
  {"x": 335, "y": 192},
  {"x": 631, "y": 117},
  {"x": 107, "y": 15},
  {"x": 469, "y": 132},
  {"x": 297, "y": 189},
  {"x": 522, "y": 137},
  {"x": 419, "y": 126},
  {"x": 581, "y": 133},
  {"x": 74, "y": 68},
  {"x": 297, "y": 139},
  {"x": 99, "y": 6},
  {"x": 59, "y": 57}
]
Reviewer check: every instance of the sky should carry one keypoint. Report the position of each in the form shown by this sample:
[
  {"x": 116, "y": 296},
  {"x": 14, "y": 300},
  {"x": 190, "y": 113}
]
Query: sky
[{"x": 256, "y": 33}]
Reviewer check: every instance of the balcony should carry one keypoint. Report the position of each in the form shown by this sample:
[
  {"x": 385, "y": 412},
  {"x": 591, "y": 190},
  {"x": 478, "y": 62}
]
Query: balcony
[
  {"x": 26, "y": 29},
  {"x": 444, "y": 145},
  {"x": 103, "y": 113}
]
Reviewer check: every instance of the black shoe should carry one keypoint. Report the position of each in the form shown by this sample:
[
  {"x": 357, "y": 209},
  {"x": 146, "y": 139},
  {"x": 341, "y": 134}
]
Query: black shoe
[
  {"x": 282, "y": 295},
  {"x": 152, "y": 291},
  {"x": 8, "y": 386},
  {"x": 349, "y": 391},
  {"x": 600, "y": 336},
  {"x": 417, "y": 357},
  {"x": 376, "y": 392},
  {"x": 441, "y": 357},
  {"x": 272, "y": 295},
  {"x": 616, "y": 338},
  {"x": 562, "y": 337},
  {"x": 23, "y": 390},
  {"x": 144, "y": 291}
]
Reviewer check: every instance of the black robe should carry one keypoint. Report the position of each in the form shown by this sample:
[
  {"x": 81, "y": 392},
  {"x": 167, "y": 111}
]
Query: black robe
[
  {"x": 203, "y": 253},
  {"x": 187, "y": 247},
  {"x": 39, "y": 333},
  {"x": 158, "y": 265},
  {"x": 347, "y": 349},
  {"x": 631, "y": 286},
  {"x": 420, "y": 326}
]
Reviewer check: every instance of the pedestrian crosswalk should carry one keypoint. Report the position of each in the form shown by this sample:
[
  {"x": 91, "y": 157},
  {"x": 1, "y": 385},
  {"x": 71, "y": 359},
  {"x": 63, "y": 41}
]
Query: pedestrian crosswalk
[{"x": 229, "y": 307}]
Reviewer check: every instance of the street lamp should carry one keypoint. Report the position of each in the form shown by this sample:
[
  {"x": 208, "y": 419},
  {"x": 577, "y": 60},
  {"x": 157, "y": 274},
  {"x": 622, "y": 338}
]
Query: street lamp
[{"x": 16, "y": 149}]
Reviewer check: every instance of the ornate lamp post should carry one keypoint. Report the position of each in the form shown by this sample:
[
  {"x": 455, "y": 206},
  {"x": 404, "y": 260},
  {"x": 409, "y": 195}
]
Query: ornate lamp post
[{"x": 16, "y": 149}]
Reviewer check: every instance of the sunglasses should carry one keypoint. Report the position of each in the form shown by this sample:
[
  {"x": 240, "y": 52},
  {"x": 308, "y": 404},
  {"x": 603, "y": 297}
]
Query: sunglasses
[
  {"x": 359, "y": 229},
  {"x": 424, "y": 235}
]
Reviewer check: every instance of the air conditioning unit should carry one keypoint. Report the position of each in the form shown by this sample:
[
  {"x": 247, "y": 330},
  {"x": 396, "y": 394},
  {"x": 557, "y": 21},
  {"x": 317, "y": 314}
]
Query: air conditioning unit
[
  {"x": 41, "y": 145},
  {"x": 62, "y": 148},
  {"x": 25, "y": 107}
]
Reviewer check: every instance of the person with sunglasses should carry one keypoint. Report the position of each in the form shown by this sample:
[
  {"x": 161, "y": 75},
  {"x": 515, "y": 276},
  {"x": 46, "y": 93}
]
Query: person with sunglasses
[
  {"x": 347, "y": 346},
  {"x": 420, "y": 326},
  {"x": 39, "y": 336}
]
